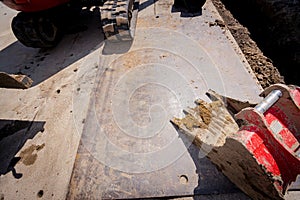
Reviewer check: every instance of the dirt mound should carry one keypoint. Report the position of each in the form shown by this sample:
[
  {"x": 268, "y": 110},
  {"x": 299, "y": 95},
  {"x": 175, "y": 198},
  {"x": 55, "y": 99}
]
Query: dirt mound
[{"x": 261, "y": 65}]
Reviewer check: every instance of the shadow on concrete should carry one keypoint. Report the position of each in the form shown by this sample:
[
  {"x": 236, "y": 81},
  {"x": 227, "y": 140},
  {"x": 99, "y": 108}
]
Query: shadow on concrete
[
  {"x": 210, "y": 180},
  {"x": 185, "y": 13},
  {"x": 146, "y": 4},
  {"x": 188, "y": 8},
  {"x": 13, "y": 136},
  {"x": 40, "y": 64}
]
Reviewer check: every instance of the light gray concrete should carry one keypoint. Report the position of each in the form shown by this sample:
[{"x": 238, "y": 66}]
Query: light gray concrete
[
  {"x": 57, "y": 75},
  {"x": 172, "y": 61}
]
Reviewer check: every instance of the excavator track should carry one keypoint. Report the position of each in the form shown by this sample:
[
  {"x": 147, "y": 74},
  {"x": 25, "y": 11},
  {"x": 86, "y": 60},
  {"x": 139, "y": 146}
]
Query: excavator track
[{"x": 118, "y": 19}]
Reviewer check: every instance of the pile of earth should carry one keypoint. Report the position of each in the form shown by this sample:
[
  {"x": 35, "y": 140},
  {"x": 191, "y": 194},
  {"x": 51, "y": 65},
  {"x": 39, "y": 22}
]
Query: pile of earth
[{"x": 267, "y": 32}]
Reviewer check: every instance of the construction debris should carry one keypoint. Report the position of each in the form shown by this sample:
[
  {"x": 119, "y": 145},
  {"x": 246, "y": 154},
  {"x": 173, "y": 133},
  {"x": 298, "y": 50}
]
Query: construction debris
[{"x": 16, "y": 81}]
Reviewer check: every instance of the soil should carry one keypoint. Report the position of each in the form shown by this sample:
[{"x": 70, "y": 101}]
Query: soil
[
  {"x": 204, "y": 111},
  {"x": 200, "y": 116},
  {"x": 262, "y": 66}
]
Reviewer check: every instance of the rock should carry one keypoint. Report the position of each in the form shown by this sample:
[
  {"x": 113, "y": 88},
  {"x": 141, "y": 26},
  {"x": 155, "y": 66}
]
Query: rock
[{"x": 14, "y": 81}]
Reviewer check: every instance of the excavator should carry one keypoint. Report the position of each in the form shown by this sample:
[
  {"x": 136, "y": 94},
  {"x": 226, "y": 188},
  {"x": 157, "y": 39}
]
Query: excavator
[{"x": 41, "y": 23}]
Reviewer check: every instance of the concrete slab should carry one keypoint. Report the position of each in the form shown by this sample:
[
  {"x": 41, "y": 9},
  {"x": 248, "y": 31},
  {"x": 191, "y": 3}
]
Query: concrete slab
[
  {"x": 41, "y": 146},
  {"x": 129, "y": 149}
]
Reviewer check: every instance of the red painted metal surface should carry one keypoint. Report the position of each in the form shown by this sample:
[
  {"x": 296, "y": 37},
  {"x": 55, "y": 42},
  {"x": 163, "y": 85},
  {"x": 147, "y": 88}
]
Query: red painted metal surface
[
  {"x": 33, "y": 5},
  {"x": 273, "y": 137}
]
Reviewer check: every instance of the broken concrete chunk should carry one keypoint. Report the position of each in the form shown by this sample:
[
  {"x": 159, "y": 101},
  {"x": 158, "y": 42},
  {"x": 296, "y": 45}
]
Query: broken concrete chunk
[{"x": 14, "y": 81}]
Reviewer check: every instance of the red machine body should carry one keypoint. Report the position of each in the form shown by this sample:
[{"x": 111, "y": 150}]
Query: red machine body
[
  {"x": 273, "y": 137},
  {"x": 33, "y": 5}
]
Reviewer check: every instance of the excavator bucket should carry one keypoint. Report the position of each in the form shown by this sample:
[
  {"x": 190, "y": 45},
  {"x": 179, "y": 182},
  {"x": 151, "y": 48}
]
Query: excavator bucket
[{"x": 262, "y": 155}]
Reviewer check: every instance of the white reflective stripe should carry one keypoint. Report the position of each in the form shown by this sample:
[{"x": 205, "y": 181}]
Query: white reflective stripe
[
  {"x": 298, "y": 152},
  {"x": 276, "y": 127}
]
